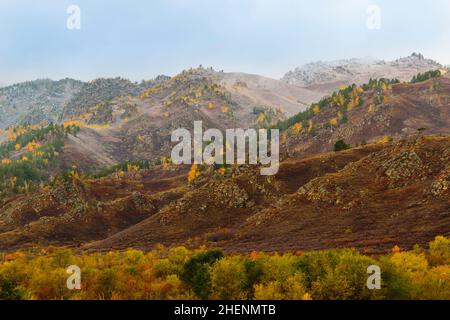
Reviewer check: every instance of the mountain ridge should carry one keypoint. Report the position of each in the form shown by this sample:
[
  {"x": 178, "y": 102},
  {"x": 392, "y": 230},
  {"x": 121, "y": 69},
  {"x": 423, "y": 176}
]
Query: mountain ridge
[
  {"x": 47, "y": 100},
  {"x": 333, "y": 74}
]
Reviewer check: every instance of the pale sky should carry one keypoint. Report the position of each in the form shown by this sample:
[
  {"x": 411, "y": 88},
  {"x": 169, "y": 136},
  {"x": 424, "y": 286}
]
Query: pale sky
[{"x": 139, "y": 39}]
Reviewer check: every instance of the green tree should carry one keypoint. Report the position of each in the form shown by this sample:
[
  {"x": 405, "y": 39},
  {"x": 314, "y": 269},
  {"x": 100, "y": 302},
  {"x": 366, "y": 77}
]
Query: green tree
[
  {"x": 228, "y": 279},
  {"x": 196, "y": 272},
  {"x": 9, "y": 290},
  {"x": 341, "y": 145}
]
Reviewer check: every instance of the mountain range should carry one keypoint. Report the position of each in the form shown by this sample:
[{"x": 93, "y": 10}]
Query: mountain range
[{"x": 47, "y": 100}]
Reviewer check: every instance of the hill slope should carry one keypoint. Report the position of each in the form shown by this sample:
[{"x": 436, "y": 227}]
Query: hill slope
[
  {"x": 377, "y": 112},
  {"x": 40, "y": 101},
  {"x": 372, "y": 198}
]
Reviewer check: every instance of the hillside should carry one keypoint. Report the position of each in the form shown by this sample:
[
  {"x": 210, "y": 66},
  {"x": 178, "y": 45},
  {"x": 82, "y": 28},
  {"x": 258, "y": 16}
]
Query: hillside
[
  {"x": 257, "y": 90},
  {"x": 223, "y": 101},
  {"x": 139, "y": 127},
  {"x": 378, "y": 111},
  {"x": 132, "y": 128},
  {"x": 38, "y": 101},
  {"x": 370, "y": 197},
  {"x": 46, "y": 100}
]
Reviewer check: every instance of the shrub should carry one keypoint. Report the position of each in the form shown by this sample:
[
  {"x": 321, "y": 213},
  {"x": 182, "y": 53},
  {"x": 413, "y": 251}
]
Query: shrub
[
  {"x": 221, "y": 235},
  {"x": 179, "y": 273},
  {"x": 315, "y": 265},
  {"x": 50, "y": 284},
  {"x": 196, "y": 272},
  {"x": 439, "y": 251},
  {"x": 107, "y": 284},
  {"x": 228, "y": 279},
  {"x": 435, "y": 284},
  {"x": 341, "y": 145},
  {"x": 396, "y": 283},
  {"x": 410, "y": 262},
  {"x": 339, "y": 275},
  {"x": 9, "y": 290},
  {"x": 174, "y": 263},
  {"x": 254, "y": 272},
  {"x": 291, "y": 289},
  {"x": 278, "y": 267}
]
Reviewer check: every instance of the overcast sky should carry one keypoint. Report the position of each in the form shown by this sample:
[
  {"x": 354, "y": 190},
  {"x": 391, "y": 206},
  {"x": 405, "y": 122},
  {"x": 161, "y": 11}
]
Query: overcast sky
[{"x": 139, "y": 39}]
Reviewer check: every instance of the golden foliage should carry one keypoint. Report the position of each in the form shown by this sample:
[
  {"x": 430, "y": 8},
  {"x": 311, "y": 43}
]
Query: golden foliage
[
  {"x": 193, "y": 173},
  {"x": 316, "y": 109},
  {"x": 261, "y": 118},
  {"x": 291, "y": 289},
  {"x": 6, "y": 162},
  {"x": 384, "y": 139},
  {"x": 334, "y": 122},
  {"x": 310, "y": 125},
  {"x": 32, "y": 146},
  {"x": 283, "y": 137},
  {"x": 341, "y": 100},
  {"x": 297, "y": 128},
  {"x": 224, "y": 109},
  {"x": 160, "y": 274},
  {"x": 228, "y": 278},
  {"x": 132, "y": 168},
  {"x": 70, "y": 123}
]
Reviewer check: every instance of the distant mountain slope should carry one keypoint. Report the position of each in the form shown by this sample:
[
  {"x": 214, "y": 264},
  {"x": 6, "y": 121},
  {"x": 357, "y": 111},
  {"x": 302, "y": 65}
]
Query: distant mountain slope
[
  {"x": 98, "y": 91},
  {"x": 38, "y": 101},
  {"x": 329, "y": 76},
  {"x": 257, "y": 90},
  {"x": 134, "y": 128},
  {"x": 56, "y": 101},
  {"x": 139, "y": 127},
  {"x": 118, "y": 120}
]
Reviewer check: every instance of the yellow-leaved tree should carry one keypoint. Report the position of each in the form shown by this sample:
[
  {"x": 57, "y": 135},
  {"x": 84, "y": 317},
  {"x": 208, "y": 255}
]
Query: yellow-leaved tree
[
  {"x": 193, "y": 173},
  {"x": 297, "y": 128}
]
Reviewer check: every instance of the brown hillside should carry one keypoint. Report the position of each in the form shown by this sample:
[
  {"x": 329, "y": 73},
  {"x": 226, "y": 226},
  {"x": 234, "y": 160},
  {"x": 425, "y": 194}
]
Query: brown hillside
[
  {"x": 79, "y": 210},
  {"x": 371, "y": 198}
]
